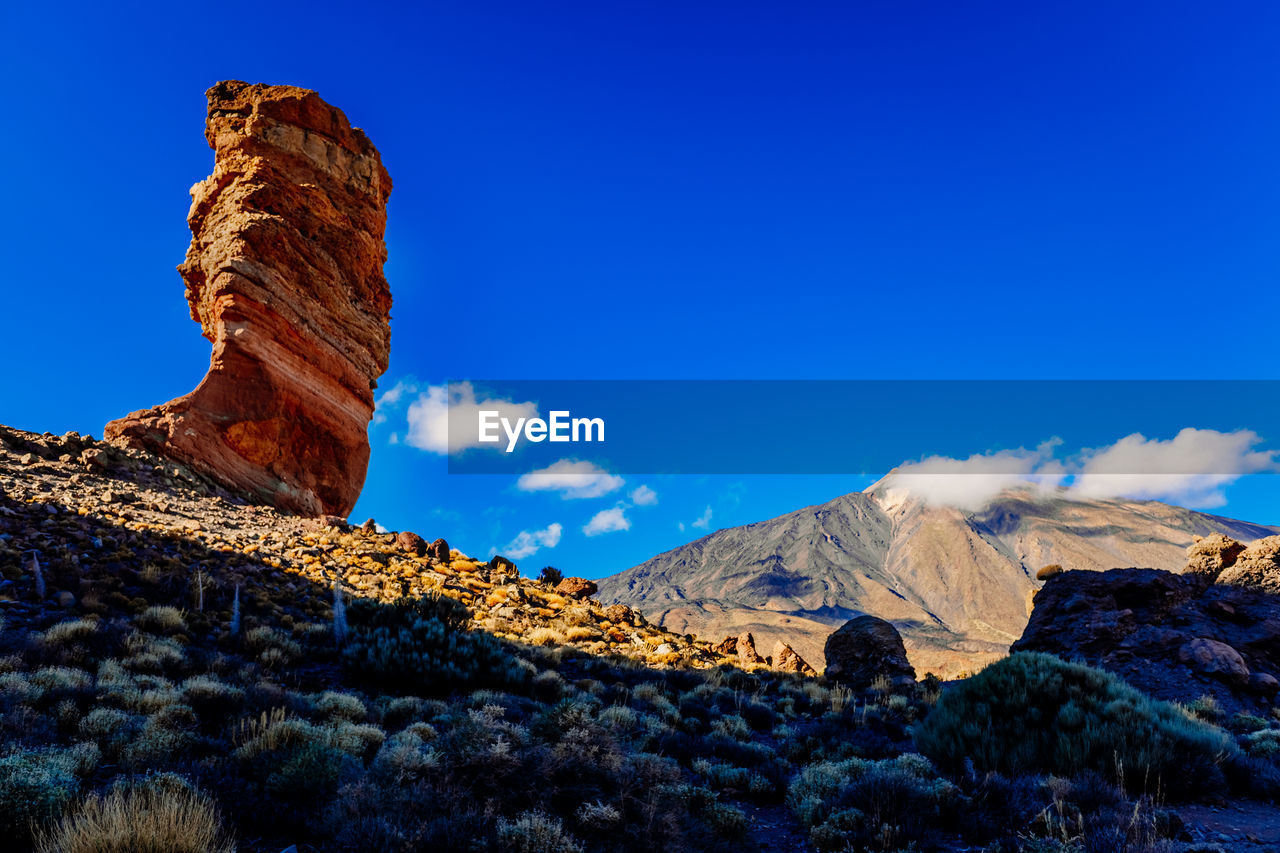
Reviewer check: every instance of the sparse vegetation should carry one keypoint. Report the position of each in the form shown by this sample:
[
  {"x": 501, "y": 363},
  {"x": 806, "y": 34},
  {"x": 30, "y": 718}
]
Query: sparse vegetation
[
  {"x": 331, "y": 692},
  {"x": 1034, "y": 713}
]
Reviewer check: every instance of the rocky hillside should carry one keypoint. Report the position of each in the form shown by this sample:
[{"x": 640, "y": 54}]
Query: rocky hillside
[
  {"x": 92, "y": 517},
  {"x": 957, "y": 585}
]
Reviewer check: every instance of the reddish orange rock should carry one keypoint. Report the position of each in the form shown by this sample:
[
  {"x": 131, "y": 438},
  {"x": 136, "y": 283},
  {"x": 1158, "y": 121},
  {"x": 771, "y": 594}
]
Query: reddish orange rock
[{"x": 284, "y": 276}]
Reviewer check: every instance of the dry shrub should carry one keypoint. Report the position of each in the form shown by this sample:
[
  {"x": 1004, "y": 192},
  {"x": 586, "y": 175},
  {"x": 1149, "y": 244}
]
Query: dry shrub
[
  {"x": 150, "y": 819},
  {"x": 1048, "y": 571}
]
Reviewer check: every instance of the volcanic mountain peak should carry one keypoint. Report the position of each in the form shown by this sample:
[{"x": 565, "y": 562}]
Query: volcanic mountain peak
[{"x": 957, "y": 584}]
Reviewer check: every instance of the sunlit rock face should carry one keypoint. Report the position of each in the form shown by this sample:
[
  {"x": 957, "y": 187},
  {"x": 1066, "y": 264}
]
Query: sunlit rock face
[{"x": 284, "y": 276}]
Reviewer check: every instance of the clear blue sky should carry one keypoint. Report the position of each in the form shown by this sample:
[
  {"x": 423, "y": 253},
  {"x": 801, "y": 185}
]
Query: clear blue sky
[{"x": 698, "y": 190}]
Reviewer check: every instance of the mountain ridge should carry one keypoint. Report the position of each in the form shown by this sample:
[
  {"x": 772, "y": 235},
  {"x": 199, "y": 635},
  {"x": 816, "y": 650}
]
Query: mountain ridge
[{"x": 957, "y": 584}]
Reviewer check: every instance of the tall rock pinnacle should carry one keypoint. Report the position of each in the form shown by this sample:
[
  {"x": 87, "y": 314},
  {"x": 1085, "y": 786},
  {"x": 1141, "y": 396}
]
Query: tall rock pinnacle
[{"x": 284, "y": 276}]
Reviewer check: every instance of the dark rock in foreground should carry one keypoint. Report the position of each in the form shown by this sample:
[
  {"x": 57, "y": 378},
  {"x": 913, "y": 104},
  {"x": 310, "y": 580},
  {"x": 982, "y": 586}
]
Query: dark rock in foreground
[
  {"x": 865, "y": 649},
  {"x": 1176, "y": 637}
]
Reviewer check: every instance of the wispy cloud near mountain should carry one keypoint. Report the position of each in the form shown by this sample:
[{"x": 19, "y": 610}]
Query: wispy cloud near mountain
[{"x": 1189, "y": 469}]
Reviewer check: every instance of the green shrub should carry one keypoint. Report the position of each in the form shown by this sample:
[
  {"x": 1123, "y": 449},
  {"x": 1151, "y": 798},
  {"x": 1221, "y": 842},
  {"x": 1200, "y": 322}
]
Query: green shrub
[
  {"x": 535, "y": 832},
  {"x": 1264, "y": 743},
  {"x": 212, "y": 699},
  {"x": 37, "y": 785},
  {"x": 1034, "y": 713},
  {"x": 726, "y": 821},
  {"x": 861, "y": 804},
  {"x": 421, "y": 645},
  {"x": 340, "y": 706}
]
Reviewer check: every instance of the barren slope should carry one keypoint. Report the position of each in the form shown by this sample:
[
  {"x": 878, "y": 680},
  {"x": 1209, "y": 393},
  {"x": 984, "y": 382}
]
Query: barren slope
[{"x": 958, "y": 585}]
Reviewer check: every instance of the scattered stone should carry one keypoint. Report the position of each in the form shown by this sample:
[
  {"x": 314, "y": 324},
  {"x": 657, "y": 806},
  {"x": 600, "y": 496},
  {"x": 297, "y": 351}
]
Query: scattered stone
[
  {"x": 370, "y": 526},
  {"x": 865, "y": 649},
  {"x": 578, "y": 588},
  {"x": 618, "y": 614},
  {"x": 412, "y": 543},
  {"x": 1214, "y": 658}
]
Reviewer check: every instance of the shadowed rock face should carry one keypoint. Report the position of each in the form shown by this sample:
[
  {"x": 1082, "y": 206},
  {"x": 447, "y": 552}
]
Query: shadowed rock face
[
  {"x": 1174, "y": 636},
  {"x": 284, "y": 276}
]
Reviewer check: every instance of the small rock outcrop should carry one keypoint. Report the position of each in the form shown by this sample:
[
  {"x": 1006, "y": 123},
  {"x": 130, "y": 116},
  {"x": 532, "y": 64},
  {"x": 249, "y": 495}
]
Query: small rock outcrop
[
  {"x": 785, "y": 659},
  {"x": 746, "y": 649},
  {"x": 1174, "y": 636},
  {"x": 440, "y": 550},
  {"x": 865, "y": 649},
  {"x": 1257, "y": 565},
  {"x": 1209, "y": 555},
  {"x": 576, "y": 588},
  {"x": 284, "y": 276}
]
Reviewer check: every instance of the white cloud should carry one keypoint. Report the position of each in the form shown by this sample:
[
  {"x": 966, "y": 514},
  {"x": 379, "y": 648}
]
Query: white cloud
[
  {"x": 446, "y": 420},
  {"x": 572, "y": 479},
  {"x": 529, "y": 541},
  {"x": 703, "y": 521},
  {"x": 971, "y": 483},
  {"x": 644, "y": 496},
  {"x": 608, "y": 521},
  {"x": 1190, "y": 468},
  {"x": 390, "y": 398}
]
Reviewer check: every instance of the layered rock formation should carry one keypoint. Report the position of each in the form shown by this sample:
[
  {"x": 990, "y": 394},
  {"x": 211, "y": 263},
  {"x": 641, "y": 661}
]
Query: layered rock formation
[
  {"x": 956, "y": 584},
  {"x": 284, "y": 276}
]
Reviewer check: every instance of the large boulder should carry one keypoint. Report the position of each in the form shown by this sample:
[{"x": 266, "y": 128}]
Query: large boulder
[
  {"x": 1174, "y": 636},
  {"x": 866, "y": 649},
  {"x": 284, "y": 276},
  {"x": 407, "y": 540}
]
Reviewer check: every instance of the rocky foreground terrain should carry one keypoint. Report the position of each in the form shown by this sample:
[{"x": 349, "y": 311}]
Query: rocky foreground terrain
[
  {"x": 957, "y": 585},
  {"x": 217, "y": 675},
  {"x": 80, "y": 508}
]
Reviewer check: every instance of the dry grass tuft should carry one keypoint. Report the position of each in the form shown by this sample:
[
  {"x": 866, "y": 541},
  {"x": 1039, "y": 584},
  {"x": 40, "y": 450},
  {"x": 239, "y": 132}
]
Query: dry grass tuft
[{"x": 156, "y": 819}]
